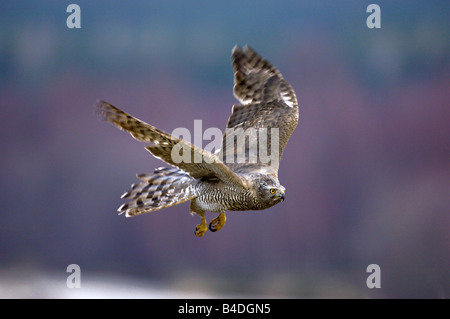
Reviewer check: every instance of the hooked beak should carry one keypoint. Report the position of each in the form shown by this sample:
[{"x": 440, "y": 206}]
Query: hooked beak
[{"x": 282, "y": 195}]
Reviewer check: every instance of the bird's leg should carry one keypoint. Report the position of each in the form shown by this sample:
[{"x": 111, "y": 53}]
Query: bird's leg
[
  {"x": 218, "y": 222},
  {"x": 201, "y": 229}
]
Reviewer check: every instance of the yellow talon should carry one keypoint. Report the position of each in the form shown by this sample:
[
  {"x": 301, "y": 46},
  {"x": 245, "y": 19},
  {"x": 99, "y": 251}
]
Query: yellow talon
[
  {"x": 201, "y": 229},
  {"x": 218, "y": 222}
]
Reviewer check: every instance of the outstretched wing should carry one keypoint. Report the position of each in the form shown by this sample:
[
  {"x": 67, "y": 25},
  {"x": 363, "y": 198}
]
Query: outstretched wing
[
  {"x": 193, "y": 160},
  {"x": 258, "y": 81},
  {"x": 269, "y": 107}
]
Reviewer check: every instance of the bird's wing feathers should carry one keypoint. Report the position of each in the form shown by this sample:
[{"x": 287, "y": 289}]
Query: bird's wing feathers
[
  {"x": 198, "y": 163},
  {"x": 256, "y": 80},
  {"x": 268, "y": 102}
]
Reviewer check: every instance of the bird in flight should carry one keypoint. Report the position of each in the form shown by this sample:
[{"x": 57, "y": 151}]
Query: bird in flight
[{"x": 237, "y": 177}]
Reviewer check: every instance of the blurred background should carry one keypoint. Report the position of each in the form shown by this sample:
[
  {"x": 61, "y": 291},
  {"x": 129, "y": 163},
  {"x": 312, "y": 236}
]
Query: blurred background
[{"x": 367, "y": 170}]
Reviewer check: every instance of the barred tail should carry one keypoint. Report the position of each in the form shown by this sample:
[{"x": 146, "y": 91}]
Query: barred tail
[{"x": 164, "y": 188}]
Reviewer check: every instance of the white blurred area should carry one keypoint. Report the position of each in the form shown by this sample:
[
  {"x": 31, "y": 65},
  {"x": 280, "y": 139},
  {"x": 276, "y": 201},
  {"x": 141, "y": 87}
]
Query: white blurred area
[{"x": 28, "y": 284}]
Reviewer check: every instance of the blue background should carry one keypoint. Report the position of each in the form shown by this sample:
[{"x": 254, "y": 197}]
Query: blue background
[{"x": 367, "y": 170}]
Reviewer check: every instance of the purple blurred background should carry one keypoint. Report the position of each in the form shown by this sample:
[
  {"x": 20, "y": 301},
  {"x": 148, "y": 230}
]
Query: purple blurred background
[{"x": 367, "y": 170}]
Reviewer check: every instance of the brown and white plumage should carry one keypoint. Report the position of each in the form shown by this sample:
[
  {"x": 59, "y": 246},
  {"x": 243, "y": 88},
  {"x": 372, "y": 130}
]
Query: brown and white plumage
[
  {"x": 211, "y": 181},
  {"x": 268, "y": 101}
]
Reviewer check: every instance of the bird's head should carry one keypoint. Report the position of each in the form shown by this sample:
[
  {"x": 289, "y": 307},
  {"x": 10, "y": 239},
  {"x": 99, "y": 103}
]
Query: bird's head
[{"x": 271, "y": 192}]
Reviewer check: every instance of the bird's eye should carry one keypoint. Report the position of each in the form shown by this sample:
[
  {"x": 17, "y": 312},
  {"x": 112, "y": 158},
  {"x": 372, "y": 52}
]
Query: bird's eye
[{"x": 272, "y": 190}]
